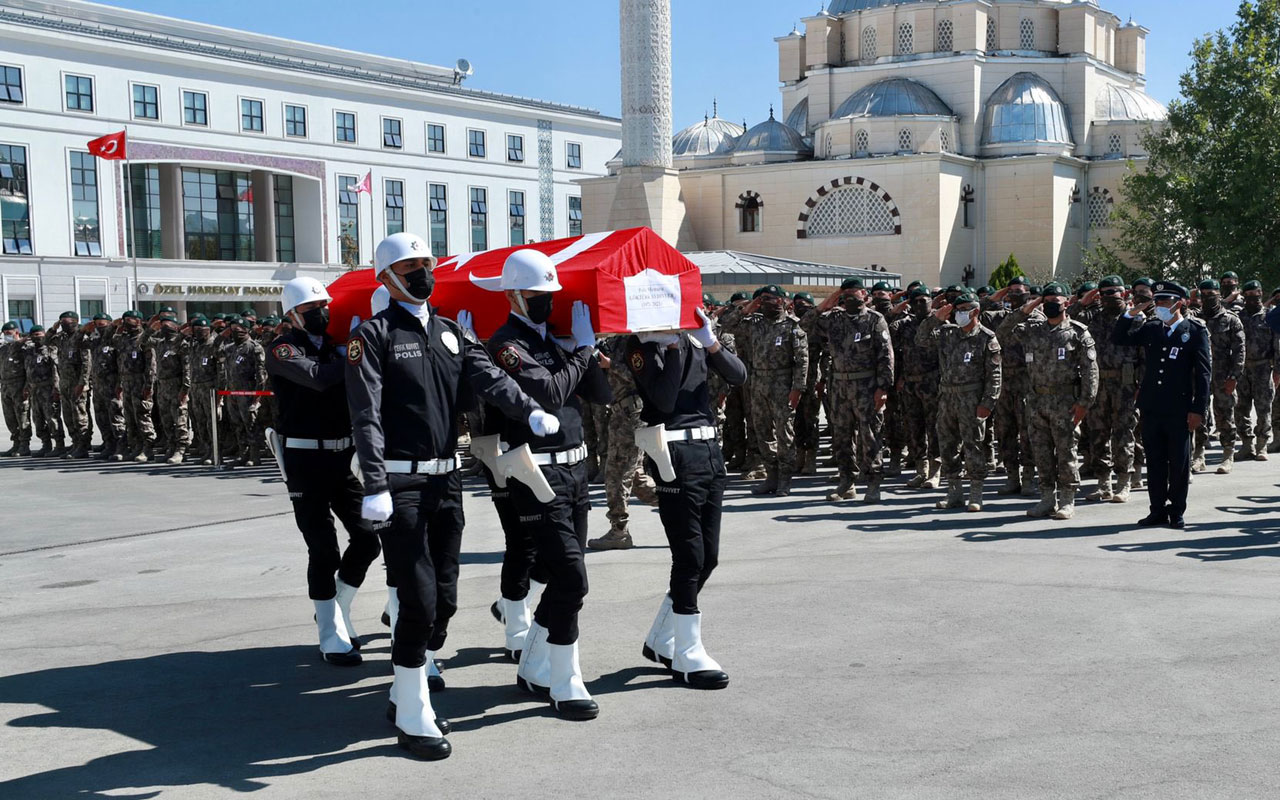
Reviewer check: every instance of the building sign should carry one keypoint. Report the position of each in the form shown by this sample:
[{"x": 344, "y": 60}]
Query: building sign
[{"x": 208, "y": 291}]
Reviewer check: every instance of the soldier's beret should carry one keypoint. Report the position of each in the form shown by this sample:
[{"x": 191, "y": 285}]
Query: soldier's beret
[
  {"x": 69, "y": 315},
  {"x": 736, "y": 296},
  {"x": 914, "y": 284},
  {"x": 249, "y": 312},
  {"x": 805, "y": 296},
  {"x": 220, "y": 316},
  {"x": 918, "y": 291},
  {"x": 1147, "y": 282},
  {"x": 966, "y": 298},
  {"x": 708, "y": 300},
  {"x": 131, "y": 314},
  {"x": 1275, "y": 291},
  {"x": 1251, "y": 285},
  {"x": 168, "y": 310},
  {"x": 101, "y": 317},
  {"x": 881, "y": 286},
  {"x": 1033, "y": 289},
  {"x": 984, "y": 290},
  {"x": 1230, "y": 274},
  {"x": 234, "y": 320},
  {"x": 36, "y": 329},
  {"x": 1055, "y": 288},
  {"x": 1170, "y": 289},
  {"x": 1111, "y": 281},
  {"x": 9, "y": 326},
  {"x": 199, "y": 320},
  {"x": 1020, "y": 280},
  {"x": 955, "y": 287},
  {"x": 1209, "y": 283},
  {"x": 168, "y": 316},
  {"x": 270, "y": 320},
  {"x": 1087, "y": 286},
  {"x": 852, "y": 283}
]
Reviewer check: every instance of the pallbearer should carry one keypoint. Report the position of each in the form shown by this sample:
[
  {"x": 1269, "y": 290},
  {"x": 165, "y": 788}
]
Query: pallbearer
[{"x": 685, "y": 459}]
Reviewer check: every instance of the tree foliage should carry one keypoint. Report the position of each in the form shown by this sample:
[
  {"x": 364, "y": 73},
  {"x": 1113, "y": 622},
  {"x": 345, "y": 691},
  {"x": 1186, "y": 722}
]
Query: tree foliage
[{"x": 1006, "y": 271}]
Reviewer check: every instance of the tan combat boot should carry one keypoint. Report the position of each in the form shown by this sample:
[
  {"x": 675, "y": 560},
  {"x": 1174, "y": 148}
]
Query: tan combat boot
[
  {"x": 934, "y": 479},
  {"x": 872, "y": 494},
  {"x": 1103, "y": 492},
  {"x": 955, "y": 495},
  {"x": 618, "y": 538},
  {"x": 784, "y": 485},
  {"x": 1260, "y": 448},
  {"x": 1029, "y": 482},
  {"x": 922, "y": 473},
  {"x": 845, "y": 490},
  {"x": 1066, "y": 504},
  {"x": 1121, "y": 493},
  {"x": 1197, "y": 459},
  {"x": 770, "y": 484},
  {"x": 1013, "y": 483},
  {"x": 177, "y": 457},
  {"x": 975, "y": 496},
  {"x": 1228, "y": 457},
  {"x": 1046, "y": 506}
]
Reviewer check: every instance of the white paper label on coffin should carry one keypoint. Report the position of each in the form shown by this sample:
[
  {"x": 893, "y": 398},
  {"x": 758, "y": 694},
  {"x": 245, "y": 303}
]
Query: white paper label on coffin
[{"x": 653, "y": 301}]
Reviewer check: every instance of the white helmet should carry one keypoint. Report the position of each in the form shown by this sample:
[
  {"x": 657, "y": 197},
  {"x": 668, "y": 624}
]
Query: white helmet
[
  {"x": 398, "y": 247},
  {"x": 530, "y": 270},
  {"x": 302, "y": 290}
]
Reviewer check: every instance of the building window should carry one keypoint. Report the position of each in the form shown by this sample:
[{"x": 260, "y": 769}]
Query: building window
[
  {"x": 348, "y": 220},
  {"x": 1115, "y": 144},
  {"x": 22, "y": 312},
  {"x": 89, "y": 306},
  {"x": 392, "y": 136},
  {"x": 435, "y": 138},
  {"x": 79, "y": 93},
  {"x": 251, "y": 116},
  {"x": 573, "y": 155},
  {"x": 851, "y": 210},
  {"x": 195, "y": 108},
  {"x": 1099, "y": 208},
  {"x": 516, "y": 203},
  {"x": 946, "y": 36},
  {"x": 1027, "y": 34},
  {"x": 84, "y": 205},
  {"x": 438, "y": 203},
  {"x": 15, "y": 217},
  {"x": 944, "y": 142},
  {"x": 144, "y": 199},
  {"x": 750, "y": 209},
  {"x": 146, "y": 102},
  {"x": 475, "y": 144},
  {"x": 394, "y": 191},
  {"x": 967, "y": 200},
  {"x": 868, "y": 43},
  {"x": 10, "y": 85},
  {"x": 991, "y": 33},
  {"x": 905, "y": 143},
  {"x": 515, "y": 148},
  {"x": 295, "y": 121},
  {"x": 217, "y": 212},
  {"x": 906, "y": 39},
  {"x": 344, "y": 127},
  {"x": 286, "y": 250},
  {"x": 861, "y": 143},
  {"x": 575, "y": 216},
  {"x": 479, "y": 220}
]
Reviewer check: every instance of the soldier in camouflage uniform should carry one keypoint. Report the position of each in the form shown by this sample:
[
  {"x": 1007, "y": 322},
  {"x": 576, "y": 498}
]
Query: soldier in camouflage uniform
[
  {"x": 137, "y": 370},
  {"x": 173, "y": 357},
  {"x": 807, "y": 413},
  {"x": 42, "y": 389},
  {"x": 595, "y": 435},
  {"x": 1141, "y": 293},
  {"x": 1011, "y": 429},
  {"x": 968, "y": 359},
  {"x": 1226, "y": 338},
  {"x": 1232, "y": 298},
  {"x": 917, "y": 388},
  {"x": 735, "y": 431},
  {"x": 1062, "y": 364},
  {"x": 205, "y": 361},
  {"x": 1083, "y": 308},
  {"x": 1114, "y": 415},
  {"x": 1256, "y": 389},
  {"x": 857, "y": 339},
  {"x": 104, "y": 386},
  {"x": 13, "y": 389},
  {"x": 246, "y": 371},
  {"x": 66, "y": 341}
]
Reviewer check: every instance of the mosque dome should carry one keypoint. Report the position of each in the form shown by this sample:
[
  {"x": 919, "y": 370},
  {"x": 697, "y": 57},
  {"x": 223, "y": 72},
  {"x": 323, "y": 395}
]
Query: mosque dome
[
  {"x": 1122, "y": 104},
  {"x": 712, "y": 137},
  {"x": 1023, "y": 114},
  {"x": 893, "y": 97},
  {"x": 845, "y": 6},
  {"x": 799, "y": 117},
  {"x": 772, "y": 136}
]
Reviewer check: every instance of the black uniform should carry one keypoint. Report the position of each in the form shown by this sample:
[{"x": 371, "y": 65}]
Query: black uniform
[
  {"x": 1175, "y": 384},
  {"x": 558, "y": 381},
  {"x": 673, "y": 384},
  {"x": 520, "y": 557},
  {"x": 315, "y": 424},
  {"x": 406, "y": 385}
]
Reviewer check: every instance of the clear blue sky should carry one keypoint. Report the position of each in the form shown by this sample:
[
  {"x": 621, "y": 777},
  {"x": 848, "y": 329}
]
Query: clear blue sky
[{"x": 568, "y": 51}]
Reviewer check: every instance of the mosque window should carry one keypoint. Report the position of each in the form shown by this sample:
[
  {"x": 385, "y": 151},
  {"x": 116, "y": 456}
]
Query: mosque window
[
  {"x": 861, "y": 143},
  {"x": 906, "y": 39},
  {"x": 1115, "y": 145},
  {"x": 750, "y": 212},
  {"x": 946, "y": 36},
  {"x": 1100, "y": 203},
  {"x": 944, "y": 142},
  {"x": 1027, "y": 34},
  {"x": 868, "y": 43},
  {"x": 851, "y": 210},
  {"x": 991, "y": 33},
  {"x": 905, "y": 142}
]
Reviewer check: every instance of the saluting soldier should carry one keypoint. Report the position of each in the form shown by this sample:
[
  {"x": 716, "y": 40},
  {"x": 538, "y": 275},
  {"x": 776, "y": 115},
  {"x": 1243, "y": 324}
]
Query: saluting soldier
[
  {"x": 205, "y": 363},
  {"x": 67, "y": 343},
  {"x": 173, "y": 355},
  {"x": 137, "y": 368},
  {"x": 13, "y": 389},
  {"x": 1256, "y": 390},
  {"x": 1226, "y": 335},
  {"x": 42, "y": 387},
  {"x": 1113, "y": 418},
  {"x": 917, "y": 388},
  {"x": 244, "y": 364},
  {"x": 104, "y": 384},
  {"x": 1011, "y": 431}
]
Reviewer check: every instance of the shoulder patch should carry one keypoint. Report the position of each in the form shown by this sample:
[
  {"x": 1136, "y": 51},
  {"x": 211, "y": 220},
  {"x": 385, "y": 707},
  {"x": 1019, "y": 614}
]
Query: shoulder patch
[
  {"x": 285, "y": 351},
  {"x": 355, "y": 350},
  {"x": 637, "y": 361},
  {"x": 509, "y": 358}
]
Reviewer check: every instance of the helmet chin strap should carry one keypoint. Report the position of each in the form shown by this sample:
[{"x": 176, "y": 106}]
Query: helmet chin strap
[
  {"x": 524, "y": 305},
  {"x": 400, "y": 285}
]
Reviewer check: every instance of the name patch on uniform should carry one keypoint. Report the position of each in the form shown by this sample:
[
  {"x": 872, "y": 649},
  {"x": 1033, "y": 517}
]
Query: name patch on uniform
[
  {"x": 282, "y": 352},
  {"x": 355, "y": 351},
  {"x": 1173, "y": 353},
  {"x": 637, "y": 361},
  {"x": 857, "y": 337},
  {"x": 449, "y": 341},
  {"x": 509, "y": 358},
  {"x": 1029, "y": 357},
  {"x": 1062, "y": 354},
  {"x": 968, "y": 357},
  {"x": 406, "y": 350},
  {"x": 778, "y": 342}
]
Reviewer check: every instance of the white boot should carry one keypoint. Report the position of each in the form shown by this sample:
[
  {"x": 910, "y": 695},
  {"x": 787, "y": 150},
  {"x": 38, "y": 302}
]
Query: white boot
[
  {"x": 691, "y": 664},
  {"x": 569, "y": 696},
  {"x": 534, "y": 672},
  {"x": 660, "y": 644},
  {"x": 415, "y": 719},
  {"x": 516, "y": 618},
  {"x": 335, "y": 644},
  {"x": 344, "y": 597}
]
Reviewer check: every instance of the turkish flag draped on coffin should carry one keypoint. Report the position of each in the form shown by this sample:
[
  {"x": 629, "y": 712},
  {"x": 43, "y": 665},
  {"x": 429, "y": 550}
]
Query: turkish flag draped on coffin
[{"x": 632, "y": 280}]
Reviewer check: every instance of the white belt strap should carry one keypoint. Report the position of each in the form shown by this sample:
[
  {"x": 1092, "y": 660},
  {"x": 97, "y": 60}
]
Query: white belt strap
[
  {"x": 706, "y": 432},
  {"x": 437, "y": 466},
  {"x": 570, "y": 457},
  {"x": 317, "y": 444}
]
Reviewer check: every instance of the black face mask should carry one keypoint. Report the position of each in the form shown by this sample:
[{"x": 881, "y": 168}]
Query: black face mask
[
  {"x": 67, "y": 324},
  {"x": 419, "y": 283},
  {"x": 772, "y": 308},
  {"x": 1211, "y": 302},
  {"x": 920, "y": 307},
  {"x": 315, "y": 321},
  {"x": 239, "y": 336},
  {"x": 538, "y": 308},
  {"x": 882, "y": 304},
  {"x": 132, "y": 327},
  {"x": 1052, "y": 309},
  {"x": 801, "y": 309},
  {"x": 853, "y": 302},
  {"x": 1016, "y": 300}
]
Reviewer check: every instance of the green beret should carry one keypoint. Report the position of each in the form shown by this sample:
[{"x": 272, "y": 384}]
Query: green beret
[
  {"x": 914, "y": 284},
  {"x": 852, "y": 283},
  {"x": 1209, "y": 283},
  {"x": 1033, "y": 289},
  {"x": 168, "y": 316},
  {"x": 1020, "y": 280},
  {"x": 1053, "y": 287},
  {"x": 168, "y": 310},
  {"x": 249, "y": 312},
  {"x": 222, "y": 317},
  {"x": 736, "y": 296},
  {"x": 1147, "y": 282},
  {"x": 131, "y": 314},
  {"x": 234, "y": 320},
  {"x": 9, "y": 326},
  {"x": 918, "y": 291},
  {"x": 36, "y": 329},
  {"x": 69, "y": 315},
  {"x": 1110, "y": 282},
  {"x": 955, "y": 287},
  {"x": 985, "y": 290},
  {"x": 708, "y": 300},
  {"x": 1230, "y": 274},
  {"x": 1087, "y": 286},
  {"x": 966, "y": 297},
  {"x": 805, "y": 296},
  {"x": 881, "y": 286},
  {"x": 1252, "y": 285},
  {"x": 199, "y": 319},
  {"x": 101, "y": 317},
  {"x": 1275, "y": 291}
]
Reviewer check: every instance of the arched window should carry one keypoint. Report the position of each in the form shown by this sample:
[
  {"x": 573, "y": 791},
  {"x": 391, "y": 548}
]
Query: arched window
[
  {"x": 944, "y": 142},
  {"x": 1115, "y": 144},
  {"x": 905, "y": 141},
  {"x": 750, "y": 212},
  {"x": 1100, "y": 204},
  {"x": 868, "y": 43},
  {"x": 1027, "y": 34},
  {"x": 861, "y": 143},
  {"x": 852, "y": 210},
  {"x": 906, "y": 39},
  {"x": 946, "y": 36},
  {"x": 991, "y": 33}
]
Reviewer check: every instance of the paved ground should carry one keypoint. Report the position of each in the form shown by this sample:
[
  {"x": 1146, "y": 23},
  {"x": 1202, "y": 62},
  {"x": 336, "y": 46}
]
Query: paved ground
[{"x": 886, "y": 652}]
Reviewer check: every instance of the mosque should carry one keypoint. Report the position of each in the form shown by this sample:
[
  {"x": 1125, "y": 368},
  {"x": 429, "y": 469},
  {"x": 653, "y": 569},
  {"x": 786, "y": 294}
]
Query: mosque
[{"x": 930, "y": 138}]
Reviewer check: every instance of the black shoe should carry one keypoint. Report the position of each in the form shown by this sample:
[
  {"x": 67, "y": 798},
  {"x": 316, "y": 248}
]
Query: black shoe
[
  {"x": 441, "y": 722},
  {"x": 428, "y": 748},
  {"x": 386, "y": 619},
  {"x": 703, "y": 679},
  {"x": 497, "y": 612},
  {"x": 648, "y": 653},
  {"x": 350, "y": 659},
  {"x": 1177, "y": 523},
  {"x": 514, "y": 655},
  {"x": 1153, "y": 519},
  {"x": 533, "y": 688},
  {"x": 435, "y": 683},
  {"x": 576, "y": 709}
]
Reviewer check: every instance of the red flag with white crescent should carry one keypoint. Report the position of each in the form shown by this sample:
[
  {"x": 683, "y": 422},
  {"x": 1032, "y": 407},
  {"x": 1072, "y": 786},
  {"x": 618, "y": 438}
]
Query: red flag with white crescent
[{"x": 111, "y": 147}]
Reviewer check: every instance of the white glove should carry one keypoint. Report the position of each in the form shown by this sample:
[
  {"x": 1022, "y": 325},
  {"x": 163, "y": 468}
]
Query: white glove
[
  {"x": 377, "y": 507},
  {"x": 544, "y": 424},
  {"x": 583, "y": 334},
  {"x": 660, "y": 339},
  {"x": 706, "y": 335},
  {"x": 467, "y": 322}
]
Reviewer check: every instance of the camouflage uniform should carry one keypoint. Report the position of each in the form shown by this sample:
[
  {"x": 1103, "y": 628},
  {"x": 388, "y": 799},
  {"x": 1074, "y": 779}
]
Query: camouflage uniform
[
  {"x": 137, "y": 370},
  {"x": 203, "y": 379},
  {"x": 1062, "y": 365},
  {"x": 73, "y": 375},
  {"x": 809, "y": 410},
  {"x": 595, "y": 434},
  {"x": 1113, "y": 419},
  {"x": 719, "y": 389},
  {"x": 246, "y": 372},
  {"x": 1256, "y": 390},
  {"x": 42, "y": 387},
  {"x": 104, "y": 383},
  {"x": 917, "y": 367},
  {"x": 622, "y": 467},
  {"x": 173, "y": 355},
  {"x": 1226, "y": 338},
  {"x": 780, "y": 365},
  {"x": 968, "y": 365},
  {"x": 1012, "y": 422},
  {"x": 13, "y": 385}
]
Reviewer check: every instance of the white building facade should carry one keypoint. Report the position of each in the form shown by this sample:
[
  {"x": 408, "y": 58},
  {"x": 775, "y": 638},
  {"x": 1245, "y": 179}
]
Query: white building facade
[{"x": 245, "y": 155}]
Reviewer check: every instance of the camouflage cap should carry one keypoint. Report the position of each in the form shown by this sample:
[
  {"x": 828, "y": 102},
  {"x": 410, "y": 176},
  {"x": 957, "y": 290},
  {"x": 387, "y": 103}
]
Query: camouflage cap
[
  {"x": 1110, "y": 282},
  {"x": 851, "y": 283},
  {"x": 1055, "y": 288},
  {"x": 882, "y": 286},
  {"x": 9, "y": 326},
  {"x": 36, "y": 329},
  {"x": 68, "y": 315},
  {"x": 131, "y": 314},
  {"x": 805, "y": 296},
  {"x": 1210, "y": 284},
  {"x": 1251, "y": 285},
  {"x": 1085, "y": 288}
]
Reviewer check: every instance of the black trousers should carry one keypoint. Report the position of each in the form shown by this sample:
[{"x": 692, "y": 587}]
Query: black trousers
[
  {"x": 1168, "y": 444},
  {"x": 322, "y": 486},
  {"x": 689, "y": 508},
  {"x": 520, "y": 555},
  {"x": 559, "y": 531},
  {"x": 420, "y": 544}
]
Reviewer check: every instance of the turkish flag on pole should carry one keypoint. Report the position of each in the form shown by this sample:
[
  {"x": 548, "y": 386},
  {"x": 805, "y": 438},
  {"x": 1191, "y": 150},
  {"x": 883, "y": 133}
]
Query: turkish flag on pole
[
  {"x": 110, "y": 147},
  {"x": 365, "y": 185}
]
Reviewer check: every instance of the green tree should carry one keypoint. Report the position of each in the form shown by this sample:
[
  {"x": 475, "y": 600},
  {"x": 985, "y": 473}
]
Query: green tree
[
  {"x": 1208, "y": 199},
  {"x": 1005, "y": 271}
]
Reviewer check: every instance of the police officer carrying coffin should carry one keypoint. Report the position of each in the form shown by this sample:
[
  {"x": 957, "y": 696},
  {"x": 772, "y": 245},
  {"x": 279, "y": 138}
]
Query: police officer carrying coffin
[
  {"x": 1174, "y": 397},
  {"x": 685, "y": 458},
  {"x": 410, "y": 373},
  {"x": 314, "y": 447}
]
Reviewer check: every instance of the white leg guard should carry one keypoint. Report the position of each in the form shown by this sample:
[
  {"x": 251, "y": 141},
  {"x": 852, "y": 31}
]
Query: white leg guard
[
  {"x": 534, "y": 672},
  {"x": 332, "y": 630},
  {"x": 566, "y": 674},
  {"x": 691, "y": 658},
  {"x": 344, "y": 597},
  {"x": 661, "y": 641},
  {"x": 409, "y": 692},
  {"x": 516, "y": 617}
]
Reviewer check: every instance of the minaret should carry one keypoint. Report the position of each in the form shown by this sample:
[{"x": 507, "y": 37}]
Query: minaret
[{"x": 648, "y": 191}]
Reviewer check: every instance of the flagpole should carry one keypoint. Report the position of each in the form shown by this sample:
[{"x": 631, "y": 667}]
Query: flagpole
[
  {"x": 130, "y": 237},
  {"x": 373, "y": 242}
]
